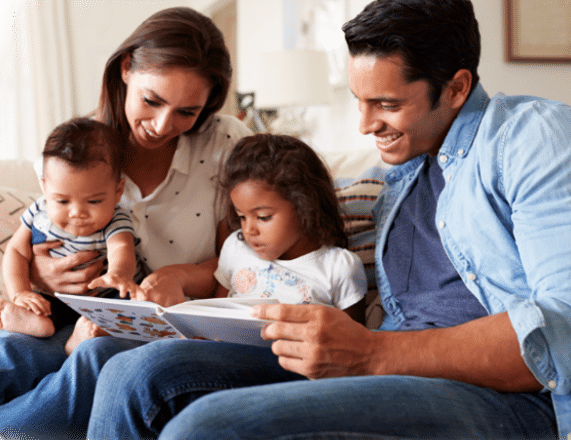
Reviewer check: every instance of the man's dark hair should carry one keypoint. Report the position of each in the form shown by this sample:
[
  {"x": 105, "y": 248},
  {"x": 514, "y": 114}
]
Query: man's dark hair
[
  {"x": 83, "y": 142},
  {"x": 435, "y": 38}
]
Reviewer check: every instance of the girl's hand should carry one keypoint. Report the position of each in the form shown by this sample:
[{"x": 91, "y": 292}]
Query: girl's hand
[
  {"x": 34, "y": 302},
  {"x": 162, "y": 287},
  {"x": 57, "y": 275},
  {"x": 124, "y": 285}
]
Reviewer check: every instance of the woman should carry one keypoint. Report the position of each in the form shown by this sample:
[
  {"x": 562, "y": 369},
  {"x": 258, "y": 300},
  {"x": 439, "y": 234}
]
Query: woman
[{"x": 161, "y": 89}]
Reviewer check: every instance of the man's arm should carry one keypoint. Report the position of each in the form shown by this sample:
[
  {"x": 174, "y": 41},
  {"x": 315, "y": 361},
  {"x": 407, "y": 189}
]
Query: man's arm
[{"x": 318, "y": 341}]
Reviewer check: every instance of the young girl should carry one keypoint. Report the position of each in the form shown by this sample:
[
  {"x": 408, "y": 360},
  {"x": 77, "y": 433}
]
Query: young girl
[{"x": 292, "y": 244}]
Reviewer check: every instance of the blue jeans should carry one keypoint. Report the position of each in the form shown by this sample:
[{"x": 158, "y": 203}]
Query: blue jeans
[
  {"x": 43, "y": 393},
  {"x": 204, "y": 390}
]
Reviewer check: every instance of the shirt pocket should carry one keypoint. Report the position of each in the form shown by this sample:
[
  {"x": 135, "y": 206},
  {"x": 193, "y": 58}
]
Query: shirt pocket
[{"x": 397, "y": 259}]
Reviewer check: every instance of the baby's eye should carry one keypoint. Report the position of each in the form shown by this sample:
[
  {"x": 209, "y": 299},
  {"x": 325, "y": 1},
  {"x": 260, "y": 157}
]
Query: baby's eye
[
  {"x": 62, "y": 201},
  {"x": 264, "y": 218},
  {"x": 94, "y": 202}
]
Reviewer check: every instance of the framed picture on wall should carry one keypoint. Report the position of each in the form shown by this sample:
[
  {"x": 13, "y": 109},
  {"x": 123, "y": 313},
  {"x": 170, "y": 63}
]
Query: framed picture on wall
[{"x": 538, "y": 31}]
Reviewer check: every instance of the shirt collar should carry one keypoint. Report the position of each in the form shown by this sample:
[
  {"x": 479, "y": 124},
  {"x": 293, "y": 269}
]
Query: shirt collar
[{"x": 461, "y": 135}]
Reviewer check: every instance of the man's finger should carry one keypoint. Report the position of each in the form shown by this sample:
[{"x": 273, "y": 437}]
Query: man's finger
[{"x": 283, "y": 312}]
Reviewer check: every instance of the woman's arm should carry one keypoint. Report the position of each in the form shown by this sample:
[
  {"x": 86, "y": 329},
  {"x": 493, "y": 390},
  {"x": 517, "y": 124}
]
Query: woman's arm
[{"x": 51, "y": 274}]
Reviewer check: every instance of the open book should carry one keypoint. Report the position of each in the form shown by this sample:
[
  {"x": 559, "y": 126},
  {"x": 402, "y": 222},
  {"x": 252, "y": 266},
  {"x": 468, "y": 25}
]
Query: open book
[{"x": 224, "y": 319}]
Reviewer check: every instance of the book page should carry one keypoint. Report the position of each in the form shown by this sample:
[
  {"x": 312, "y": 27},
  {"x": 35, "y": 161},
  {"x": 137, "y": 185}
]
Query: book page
[{"x": 138, "y": 320}]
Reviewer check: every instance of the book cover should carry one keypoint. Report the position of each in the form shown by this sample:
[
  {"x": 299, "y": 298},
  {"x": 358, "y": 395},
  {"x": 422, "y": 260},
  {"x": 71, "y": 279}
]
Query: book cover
[{"x": 223, "y": 319}]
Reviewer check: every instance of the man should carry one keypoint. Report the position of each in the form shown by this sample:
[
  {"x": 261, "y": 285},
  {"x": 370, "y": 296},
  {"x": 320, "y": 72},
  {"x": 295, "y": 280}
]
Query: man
[{"x": 473, "y": 259}]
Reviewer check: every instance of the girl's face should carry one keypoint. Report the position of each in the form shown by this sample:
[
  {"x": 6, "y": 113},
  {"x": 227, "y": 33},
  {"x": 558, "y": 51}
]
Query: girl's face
[
  {"x": 162, "y": 104},
  {"x": 269, "y": 222}
]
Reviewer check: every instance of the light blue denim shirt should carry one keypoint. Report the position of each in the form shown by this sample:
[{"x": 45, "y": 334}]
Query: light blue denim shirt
[{"x": 504, "y": 218}]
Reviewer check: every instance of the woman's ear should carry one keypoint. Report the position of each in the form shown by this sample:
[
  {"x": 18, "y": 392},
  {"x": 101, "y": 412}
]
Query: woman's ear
[
  {"x": 125, "y": 67},
  {"x": 459, "y": 88}
]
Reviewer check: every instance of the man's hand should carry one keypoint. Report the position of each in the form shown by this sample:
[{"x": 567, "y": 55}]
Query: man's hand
[
  {"x": 51, "y": 274},
  {"x": 316, "y": 341}
]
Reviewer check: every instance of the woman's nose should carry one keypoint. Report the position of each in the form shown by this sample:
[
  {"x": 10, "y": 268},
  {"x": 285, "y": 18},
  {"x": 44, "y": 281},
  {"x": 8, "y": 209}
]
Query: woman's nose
[{"x": 163, "y": 123}]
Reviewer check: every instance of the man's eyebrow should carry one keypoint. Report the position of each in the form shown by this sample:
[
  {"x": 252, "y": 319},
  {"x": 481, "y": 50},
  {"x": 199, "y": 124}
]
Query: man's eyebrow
[{"x": 380, "y": 99}]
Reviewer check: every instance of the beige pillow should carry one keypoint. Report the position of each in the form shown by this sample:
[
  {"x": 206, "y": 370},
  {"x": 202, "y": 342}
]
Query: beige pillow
[{"x": 13, "y": 203}]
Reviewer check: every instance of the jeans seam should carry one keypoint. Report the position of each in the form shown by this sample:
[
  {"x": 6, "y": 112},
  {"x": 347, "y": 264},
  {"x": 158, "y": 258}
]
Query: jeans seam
[{"x": 177, "y": 391}]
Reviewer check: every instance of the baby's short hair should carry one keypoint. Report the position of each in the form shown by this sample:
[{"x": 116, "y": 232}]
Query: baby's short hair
[{"x": 83, "y": 142}]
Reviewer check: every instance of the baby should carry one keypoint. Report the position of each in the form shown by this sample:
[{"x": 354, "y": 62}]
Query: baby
[{"x": 82, "y": 185}]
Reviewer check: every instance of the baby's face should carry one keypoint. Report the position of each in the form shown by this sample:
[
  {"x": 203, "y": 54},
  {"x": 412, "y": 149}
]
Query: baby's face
[{"x": 80, "y": 201}]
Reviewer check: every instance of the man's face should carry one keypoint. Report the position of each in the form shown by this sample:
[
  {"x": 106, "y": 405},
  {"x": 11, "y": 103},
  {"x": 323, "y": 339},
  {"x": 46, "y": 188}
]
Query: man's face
[{"x": 397, "y": 112}]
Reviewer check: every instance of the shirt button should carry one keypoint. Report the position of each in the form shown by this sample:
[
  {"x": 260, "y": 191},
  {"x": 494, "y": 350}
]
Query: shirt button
[
  {"x": 448, "y": 178},
  {"x": 441, "y": 224},
  {"x": 472, "y": 277},
  {"x": 552, "y": 384},
  {"x": 443, "y": 158},
  {"x": 460, "y": 152}
]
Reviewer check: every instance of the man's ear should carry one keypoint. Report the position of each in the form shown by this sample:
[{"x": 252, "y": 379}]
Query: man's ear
[{"x": 459, "y": 88}]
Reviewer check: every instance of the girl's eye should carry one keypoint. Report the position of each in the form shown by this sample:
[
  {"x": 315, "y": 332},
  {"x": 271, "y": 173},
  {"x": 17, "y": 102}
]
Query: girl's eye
[{"x": 265, "y": 218}]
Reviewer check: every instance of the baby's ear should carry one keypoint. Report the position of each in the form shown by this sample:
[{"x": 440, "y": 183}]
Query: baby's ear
[
  {"x": 43, "y": 185},
  {"x": 120, "y": 189}
]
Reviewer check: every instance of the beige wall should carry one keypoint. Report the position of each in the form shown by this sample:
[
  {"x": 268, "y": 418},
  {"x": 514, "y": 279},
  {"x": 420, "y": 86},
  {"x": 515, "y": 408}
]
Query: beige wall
[{"x": 99, "y": 26}]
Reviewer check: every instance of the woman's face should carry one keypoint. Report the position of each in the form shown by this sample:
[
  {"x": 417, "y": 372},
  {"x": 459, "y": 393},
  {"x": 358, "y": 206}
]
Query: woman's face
[{"x": 162, "y": 104}]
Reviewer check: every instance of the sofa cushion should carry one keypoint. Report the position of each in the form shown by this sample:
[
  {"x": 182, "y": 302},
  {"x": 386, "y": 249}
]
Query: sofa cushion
[
  {"x": 356, "y": 197},
  {"x": 13, "y": 203}
]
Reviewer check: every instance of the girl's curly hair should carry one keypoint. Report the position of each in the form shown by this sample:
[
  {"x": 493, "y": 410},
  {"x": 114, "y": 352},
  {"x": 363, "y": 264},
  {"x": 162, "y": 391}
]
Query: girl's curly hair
[{"x": 296, "y": 173}]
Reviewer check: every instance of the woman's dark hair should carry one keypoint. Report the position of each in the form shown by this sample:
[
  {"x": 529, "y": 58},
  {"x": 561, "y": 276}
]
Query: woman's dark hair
[
  {"x": 176, "y": 37},
  {"x": 292, "y": 169},
  {"x": 436, "y": 38},
  {"x": 83, "y": 142}
]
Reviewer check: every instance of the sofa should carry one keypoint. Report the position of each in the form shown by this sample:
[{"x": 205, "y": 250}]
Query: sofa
[{"x": 358, "y": 178}]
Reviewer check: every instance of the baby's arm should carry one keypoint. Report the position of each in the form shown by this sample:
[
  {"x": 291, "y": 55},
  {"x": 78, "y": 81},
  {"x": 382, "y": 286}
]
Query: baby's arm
[
  {"x": 122, "y": 265},
  {"x": 16, "y": 270}
]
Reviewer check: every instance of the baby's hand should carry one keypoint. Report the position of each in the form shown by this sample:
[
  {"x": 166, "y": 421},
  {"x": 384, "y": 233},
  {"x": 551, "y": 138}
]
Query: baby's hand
[
  {"x": 34, "y": 302},
  {"x": 117, "y": 281}
]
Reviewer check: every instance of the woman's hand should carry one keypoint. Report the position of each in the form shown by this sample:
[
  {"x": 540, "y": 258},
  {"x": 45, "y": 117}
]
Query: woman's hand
[
  {"x": 317, "y": 341},
  {"x": 51, "y": 274},
  {"x": 162, "y": 287}
]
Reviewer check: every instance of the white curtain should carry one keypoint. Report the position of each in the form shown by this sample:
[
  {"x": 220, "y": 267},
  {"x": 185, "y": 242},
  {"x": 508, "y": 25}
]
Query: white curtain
[{"x": 36, "y": 74}]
